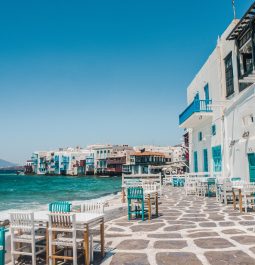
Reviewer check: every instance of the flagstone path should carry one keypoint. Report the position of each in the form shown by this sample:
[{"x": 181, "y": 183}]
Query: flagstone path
[{"x": 189, "y": 231}]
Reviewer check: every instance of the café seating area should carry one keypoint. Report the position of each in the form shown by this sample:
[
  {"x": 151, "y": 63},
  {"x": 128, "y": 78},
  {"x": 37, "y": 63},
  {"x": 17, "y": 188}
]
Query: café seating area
[{"x": 61, "y": 235}]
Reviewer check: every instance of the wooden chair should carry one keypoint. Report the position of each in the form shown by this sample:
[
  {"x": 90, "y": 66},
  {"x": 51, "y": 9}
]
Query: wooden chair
[
  {"x": 135, "y": 198},
  {"x": 93, "y": 206},
  {"x": 24, "y": 239},
  {"x": 190, "y": 185},
  {"x": 225, "y": 191},
  {"x": 97, "y": 207},
  {"x": 248, "y": 196},
  {"x": 62, "y": 238}
]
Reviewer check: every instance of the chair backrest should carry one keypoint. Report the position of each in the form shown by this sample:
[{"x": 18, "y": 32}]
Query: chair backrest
[
  {"x": 93, "y": 207},
  {"x": 211, "y": 180},
  {"x": 60, "y": 207},
  {"x": 62, "y": 222},
  {"x": 135, "y": 193},
  {"x": 133, "y": 183},
  {"x": 248, "y": 189},
  {"x": 150, "y": 186},
  {"x": 236, "y": 179},
  {"x": 22, "y": 220},
  {"x": 227, "y": 185}
]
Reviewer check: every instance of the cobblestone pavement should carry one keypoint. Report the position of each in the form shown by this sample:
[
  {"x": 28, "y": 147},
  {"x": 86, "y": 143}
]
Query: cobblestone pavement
[{"x": 190, "y": 230}]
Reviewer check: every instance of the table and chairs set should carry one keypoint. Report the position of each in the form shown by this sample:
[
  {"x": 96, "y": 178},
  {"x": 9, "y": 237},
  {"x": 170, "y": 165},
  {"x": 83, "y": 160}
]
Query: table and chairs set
[
  {"x": 226, "y": 190},
  {"x": 59, "y": 234},
  {"x": 142, "y": 198}
]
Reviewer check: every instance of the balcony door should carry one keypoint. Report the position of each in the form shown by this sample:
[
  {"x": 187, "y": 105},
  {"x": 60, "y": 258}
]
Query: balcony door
[
  {"x": 205, "y": 160},
  {"x": 217, "y": 158},
  {"x": 195, "y": 162},
  {"x": 251, "y": 158}
]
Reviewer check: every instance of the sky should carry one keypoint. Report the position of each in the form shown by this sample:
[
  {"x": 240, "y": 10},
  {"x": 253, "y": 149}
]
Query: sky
[{"x": 74, "y": 73}]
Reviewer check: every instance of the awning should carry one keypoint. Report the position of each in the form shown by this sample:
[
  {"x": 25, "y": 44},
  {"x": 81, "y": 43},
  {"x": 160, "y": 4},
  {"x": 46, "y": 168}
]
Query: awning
[{"x": 243, "y": 23}]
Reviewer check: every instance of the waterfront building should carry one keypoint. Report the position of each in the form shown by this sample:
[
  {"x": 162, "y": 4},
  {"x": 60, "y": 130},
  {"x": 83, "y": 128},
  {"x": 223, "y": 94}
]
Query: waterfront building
[
  {"x": 90, "y": 164},
  {"x": 175, "y": 157},
  {"x": 28, "y": 167},
  {"x": 219, "y": 118},
  {"x": 143, "y": 161},
  {"x": 103, "y": 152}
]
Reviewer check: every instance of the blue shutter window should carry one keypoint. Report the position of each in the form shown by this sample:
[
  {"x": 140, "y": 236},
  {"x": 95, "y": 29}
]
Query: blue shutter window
[
  {"x": 214, "y": 130},
  {"x": 195, "y": 162},
  {"x": 200, "y": 136},
  {"x": 217, "y": 158}
]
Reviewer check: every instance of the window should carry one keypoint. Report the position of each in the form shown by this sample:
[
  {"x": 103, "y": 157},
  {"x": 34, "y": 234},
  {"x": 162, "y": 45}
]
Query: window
[
  {"x": 248, "y": 120},
  {"x": 229, "y": 75},
  {"x": 206, "y": 90},
  {"x": 217, "y": 158},
  {"x": 195, "y": 162},
  {"x": 213, "y": 129},
  {"x": 205, "y": 160},
  {"x": 200, "y": 136}
]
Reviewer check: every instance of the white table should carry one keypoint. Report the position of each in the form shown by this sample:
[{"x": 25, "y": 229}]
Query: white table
[{"x": 85, "y": 222}]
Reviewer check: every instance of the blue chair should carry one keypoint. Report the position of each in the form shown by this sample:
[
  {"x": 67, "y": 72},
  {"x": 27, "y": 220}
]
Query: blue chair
[
  {"x": 2, "y": 245},
  {"x": 135, "y": 194},
  {"x": 60, "y": 207},
  {"x": 211, "y": 182},
  {"x": 178, "y": 182}
]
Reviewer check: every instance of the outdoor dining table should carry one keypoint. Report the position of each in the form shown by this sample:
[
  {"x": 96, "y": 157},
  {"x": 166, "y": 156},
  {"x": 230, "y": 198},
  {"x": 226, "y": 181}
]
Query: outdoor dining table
[
  {"x": 84, "y": 222},
  {"x": 239, "y": 190}
]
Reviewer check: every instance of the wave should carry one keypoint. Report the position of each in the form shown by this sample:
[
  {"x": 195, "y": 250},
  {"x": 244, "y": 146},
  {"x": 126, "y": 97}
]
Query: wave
[{"x": 36, "y": 206}]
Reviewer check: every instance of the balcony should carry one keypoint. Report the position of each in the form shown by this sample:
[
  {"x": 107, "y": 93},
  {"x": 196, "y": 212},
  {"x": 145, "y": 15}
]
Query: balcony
[{"x": 198, "y": 111}]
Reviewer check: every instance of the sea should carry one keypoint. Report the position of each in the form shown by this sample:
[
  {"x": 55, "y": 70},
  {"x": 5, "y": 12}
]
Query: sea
[{"x": 19, "y": 192}]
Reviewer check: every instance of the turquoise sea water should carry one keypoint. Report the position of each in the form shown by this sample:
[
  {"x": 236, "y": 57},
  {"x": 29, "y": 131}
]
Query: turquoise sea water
[{"x": 33, "y": 192}]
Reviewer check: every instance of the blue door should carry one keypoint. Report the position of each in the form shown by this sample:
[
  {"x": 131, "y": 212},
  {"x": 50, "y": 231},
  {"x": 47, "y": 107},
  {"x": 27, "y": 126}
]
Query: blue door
[
  {"x": 205, "y": 160},
  {"x": 217, "y": 159},
  {"x": 251, "y": 158},
  {"x": 195, "y": 162}
]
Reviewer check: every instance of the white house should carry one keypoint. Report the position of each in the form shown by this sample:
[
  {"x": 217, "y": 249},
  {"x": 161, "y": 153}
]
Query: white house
[{"x": 220, "y": 113}]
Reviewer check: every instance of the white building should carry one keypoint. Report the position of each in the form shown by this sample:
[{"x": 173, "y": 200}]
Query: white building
[
  {"x": 172, "y": 153},
  {"x": 221, "y": 110},
  {"x": 102, "y": 152}
]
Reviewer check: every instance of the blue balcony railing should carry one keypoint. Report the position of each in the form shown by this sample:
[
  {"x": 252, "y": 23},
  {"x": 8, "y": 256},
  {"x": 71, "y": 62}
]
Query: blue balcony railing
[{"x": 195, "y": 107}]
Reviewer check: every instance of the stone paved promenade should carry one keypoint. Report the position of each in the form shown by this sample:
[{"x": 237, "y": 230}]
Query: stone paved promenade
[{"x": 190, "y": 231}]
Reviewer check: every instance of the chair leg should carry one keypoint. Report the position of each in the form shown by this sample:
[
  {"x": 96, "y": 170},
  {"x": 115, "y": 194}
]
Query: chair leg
[
  {"x": 91, "y": 243},
  {"x": 129, "y": 210},
  {"x": 13, "y": 259},
  {"x": 74, "y": 254},
  {"x": 143, "y": 210}
]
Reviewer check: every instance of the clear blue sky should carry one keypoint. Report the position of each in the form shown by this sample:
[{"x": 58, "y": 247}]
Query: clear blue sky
[{"x": 80, "y": 72}]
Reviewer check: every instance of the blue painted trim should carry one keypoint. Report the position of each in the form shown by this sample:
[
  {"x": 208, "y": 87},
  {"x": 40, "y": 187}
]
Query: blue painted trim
[{"x": 196, "y": 106}]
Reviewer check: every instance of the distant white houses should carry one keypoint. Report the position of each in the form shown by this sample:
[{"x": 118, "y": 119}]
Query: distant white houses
[
  {"x": 103, "y": 159},
  {"x": 220, "y": 116}
]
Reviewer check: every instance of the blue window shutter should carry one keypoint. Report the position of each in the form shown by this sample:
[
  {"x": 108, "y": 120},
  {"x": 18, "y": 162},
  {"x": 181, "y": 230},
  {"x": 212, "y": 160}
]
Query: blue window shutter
[
  {"x": 251, "y": 158},
  {"x": 205, "y": 160},
  {"x": 217, "y": 158},
  {"x": 213, "y": 129},
  {"x": 200, "y": 136},
  {"x": 206, "y": 90},
  {"x": 195, "y": 162}
]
